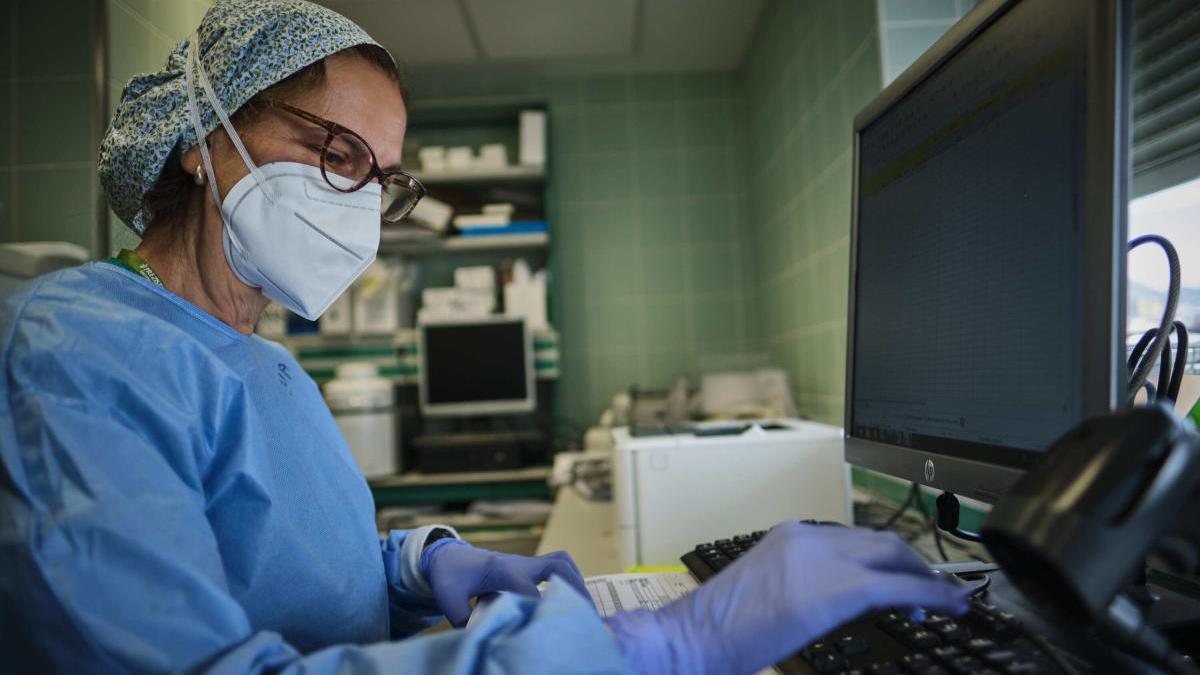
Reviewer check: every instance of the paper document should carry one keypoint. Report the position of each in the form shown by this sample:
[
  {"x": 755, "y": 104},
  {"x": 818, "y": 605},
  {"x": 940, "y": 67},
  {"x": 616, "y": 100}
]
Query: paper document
[{"x": 613, "y": 593}]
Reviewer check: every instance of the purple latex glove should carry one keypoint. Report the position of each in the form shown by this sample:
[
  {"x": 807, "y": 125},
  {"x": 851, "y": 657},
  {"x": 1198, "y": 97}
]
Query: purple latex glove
[
  {"x": 797, "y": 584},
  {"x": 458, "y": 572}
]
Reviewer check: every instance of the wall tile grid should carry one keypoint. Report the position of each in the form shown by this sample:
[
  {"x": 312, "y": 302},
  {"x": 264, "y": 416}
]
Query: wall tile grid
[
  {"x": 647, "y": 212},
  {"x": 48, "y": 130},
  {"x": 812, "y": 67},
  {"x": 47, "y": 184},
  {"x": 141, "y": 33}
]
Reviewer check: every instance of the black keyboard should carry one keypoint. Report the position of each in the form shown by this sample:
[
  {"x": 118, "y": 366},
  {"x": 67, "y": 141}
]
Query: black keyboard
[{"x": 985, "y": 641}]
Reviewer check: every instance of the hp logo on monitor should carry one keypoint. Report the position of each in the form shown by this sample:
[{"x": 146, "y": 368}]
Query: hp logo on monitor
[{"x": 929, "y": 471}]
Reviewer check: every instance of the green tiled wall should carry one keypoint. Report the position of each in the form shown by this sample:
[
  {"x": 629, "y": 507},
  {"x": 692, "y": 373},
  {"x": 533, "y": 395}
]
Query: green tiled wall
[
  {"x": 49, "y": 188},
  {"x": 648, "y": 230},
  {"x": 141, "y": 33},
  {"x": 811, "y": 68},
  {"x": 650, "y": 250},
  {"x": 48, "y": 112}
]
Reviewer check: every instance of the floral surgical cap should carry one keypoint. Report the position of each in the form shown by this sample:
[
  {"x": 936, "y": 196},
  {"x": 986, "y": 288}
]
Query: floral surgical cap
[{"x": 245, "y": 47}]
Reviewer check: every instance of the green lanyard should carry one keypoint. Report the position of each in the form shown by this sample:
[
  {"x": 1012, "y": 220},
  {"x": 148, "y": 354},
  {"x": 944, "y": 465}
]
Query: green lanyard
[{"x": 137, "y": 264}]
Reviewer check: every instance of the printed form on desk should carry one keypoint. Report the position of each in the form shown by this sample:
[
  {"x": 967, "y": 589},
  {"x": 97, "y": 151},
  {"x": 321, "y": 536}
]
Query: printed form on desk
[{"x": 613, "y": 593}]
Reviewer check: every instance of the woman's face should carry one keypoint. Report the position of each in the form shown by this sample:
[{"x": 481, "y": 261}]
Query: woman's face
[{"x": 354, "y": 94}]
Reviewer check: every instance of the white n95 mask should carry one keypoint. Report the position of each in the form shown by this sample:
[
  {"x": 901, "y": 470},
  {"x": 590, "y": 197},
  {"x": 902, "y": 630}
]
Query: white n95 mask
[{"x": 287, "y": 231}]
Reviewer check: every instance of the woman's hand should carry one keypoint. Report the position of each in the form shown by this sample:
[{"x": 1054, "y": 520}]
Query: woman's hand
[
  {"x": 798, "y": 583},
  {"x": 458, "y": 572}
]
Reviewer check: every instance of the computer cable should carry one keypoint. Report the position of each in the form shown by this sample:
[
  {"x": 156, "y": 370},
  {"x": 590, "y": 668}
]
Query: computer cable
[
  {"x": 1181, "y": 357},
  {"x": 947, "y": 510},
  {"x": 937, "y": 535},
  {"x": 891, "y": 521},
  {"x": 1170, "y": 376},
  {"x": 1140, "y": 370},
  {"x": 1164, "y": 371}
]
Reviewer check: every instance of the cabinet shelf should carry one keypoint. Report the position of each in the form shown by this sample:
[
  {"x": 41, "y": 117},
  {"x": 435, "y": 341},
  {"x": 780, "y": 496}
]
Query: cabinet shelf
[
  {"x": 497, "y": 242},
  {"x": 508, "y": 174}
]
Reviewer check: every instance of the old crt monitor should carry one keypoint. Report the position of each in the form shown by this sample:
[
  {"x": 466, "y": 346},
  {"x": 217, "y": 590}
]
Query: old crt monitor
[
  {"x": 477, "y": 367},
  {"x": 988, "y": 246}
]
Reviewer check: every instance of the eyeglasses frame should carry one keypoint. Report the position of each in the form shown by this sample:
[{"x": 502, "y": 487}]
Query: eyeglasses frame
[{"x": 333, "y": 129}]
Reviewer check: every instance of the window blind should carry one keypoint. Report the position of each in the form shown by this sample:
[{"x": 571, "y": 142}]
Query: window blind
[{"x": 1166, "y": 94}]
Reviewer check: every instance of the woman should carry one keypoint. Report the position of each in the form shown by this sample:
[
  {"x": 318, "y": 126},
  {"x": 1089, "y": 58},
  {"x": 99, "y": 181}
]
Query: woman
[{"x": 175, "y": 494}]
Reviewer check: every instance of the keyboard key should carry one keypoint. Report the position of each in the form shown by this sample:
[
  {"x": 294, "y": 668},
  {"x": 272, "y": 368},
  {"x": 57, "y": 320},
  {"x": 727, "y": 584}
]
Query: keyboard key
[
  {"x": 998, "y": 628},
  {"x": 919, "y": 664},
  {"x": 1025, "y": 667},
  {"x": 884, "y": 668},
  {"x": 946, "y": 654},
  {"x": 897, "y": 627},
  {"x": 816, "y": 649},
  {"x": 829, "y": 662},
  {"x": 999, "y": 657},
  {"x": 915, "y": 661},
  {"x": 920, "y": 639},
  {"x": 981, "y": 645},
  {"x": 855, "y": 671},
  {"x": 950, "y": 631},
  {"x": 964, "y": 665},
  {"x": 852, "y": 645}
]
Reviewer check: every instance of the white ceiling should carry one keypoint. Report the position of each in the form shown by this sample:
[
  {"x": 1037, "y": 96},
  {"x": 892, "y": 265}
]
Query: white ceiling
[{"x": 560, "y": 36}]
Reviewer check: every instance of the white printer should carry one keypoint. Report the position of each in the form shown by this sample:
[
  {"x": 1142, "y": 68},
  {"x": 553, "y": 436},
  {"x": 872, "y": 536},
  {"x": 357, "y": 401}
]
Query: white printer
[{"x": 673, "y": 489}]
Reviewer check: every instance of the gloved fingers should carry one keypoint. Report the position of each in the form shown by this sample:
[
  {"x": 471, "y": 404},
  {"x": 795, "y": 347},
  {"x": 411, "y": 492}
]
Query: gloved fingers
[
  {"x": 561, "y": 564},
  {"x": 567, "y": 571},
  {"x": 905, "y": 590},
  {"x": 566, "y": 558},
  {"x": 455, "y": 603},
  {"x": 508, "y": 578}
]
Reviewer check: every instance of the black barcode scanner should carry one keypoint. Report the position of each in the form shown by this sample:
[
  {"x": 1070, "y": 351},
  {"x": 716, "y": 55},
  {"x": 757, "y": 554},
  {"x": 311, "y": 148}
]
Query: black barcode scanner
[
  {"x": 1117, "y": 489},
  {"x": 1110, "y": 494}
]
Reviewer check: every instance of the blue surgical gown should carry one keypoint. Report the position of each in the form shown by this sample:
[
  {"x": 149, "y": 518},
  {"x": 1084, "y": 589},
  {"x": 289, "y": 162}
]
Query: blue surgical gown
[{"x": 176, "y": 496}]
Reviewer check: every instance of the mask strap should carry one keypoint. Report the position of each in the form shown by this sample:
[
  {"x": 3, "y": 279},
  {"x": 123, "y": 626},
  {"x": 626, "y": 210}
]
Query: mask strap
[
  {"x": 194, "y": 62},
  {"x": 194, "y": 113}
]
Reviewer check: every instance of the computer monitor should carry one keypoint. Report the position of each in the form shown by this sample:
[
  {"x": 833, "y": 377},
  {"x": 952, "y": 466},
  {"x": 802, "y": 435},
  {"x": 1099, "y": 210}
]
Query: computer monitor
[
  {"x": 477, "y": 367},
  {"x": 987, "y": 260}
]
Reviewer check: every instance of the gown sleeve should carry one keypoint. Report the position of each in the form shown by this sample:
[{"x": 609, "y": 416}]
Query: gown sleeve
[
  {"x": 411, "y": 604},
  {"x": 110, "y": 564}
]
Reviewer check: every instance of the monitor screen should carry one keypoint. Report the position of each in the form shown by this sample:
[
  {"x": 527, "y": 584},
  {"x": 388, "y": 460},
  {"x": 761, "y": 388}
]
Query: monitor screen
[
  {"x": 476, "y": 367},
  {"x": 971, "y": 273}
]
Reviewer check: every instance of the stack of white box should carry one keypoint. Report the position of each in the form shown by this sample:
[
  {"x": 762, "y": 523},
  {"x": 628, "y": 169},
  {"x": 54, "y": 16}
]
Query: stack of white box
[{"x": 472, "y": 296}]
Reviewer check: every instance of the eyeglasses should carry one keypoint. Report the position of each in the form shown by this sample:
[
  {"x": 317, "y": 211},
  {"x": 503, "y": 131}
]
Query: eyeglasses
[{"x": 347, "y": 156}]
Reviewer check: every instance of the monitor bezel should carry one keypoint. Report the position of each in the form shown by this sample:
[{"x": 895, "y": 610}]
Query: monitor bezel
[
  {"x": 1105, "y": 183},
  {"x": 496, "y": 407}
]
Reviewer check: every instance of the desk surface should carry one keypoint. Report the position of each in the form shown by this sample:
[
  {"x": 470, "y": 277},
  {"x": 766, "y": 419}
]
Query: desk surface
[{"x": 584, "y": 529}]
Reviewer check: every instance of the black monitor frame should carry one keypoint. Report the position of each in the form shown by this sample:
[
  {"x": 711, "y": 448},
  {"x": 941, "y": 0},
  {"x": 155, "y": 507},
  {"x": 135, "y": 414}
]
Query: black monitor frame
[{"x": 1106, "y": 181}]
